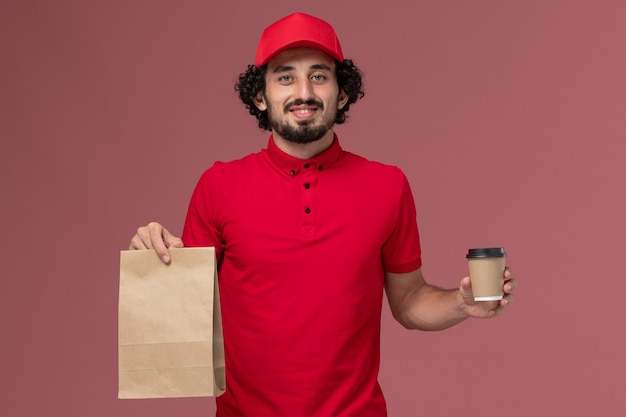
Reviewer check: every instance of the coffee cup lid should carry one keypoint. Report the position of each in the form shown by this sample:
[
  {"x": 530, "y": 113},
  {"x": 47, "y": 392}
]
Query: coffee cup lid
[{"x": 486, "y": 253}]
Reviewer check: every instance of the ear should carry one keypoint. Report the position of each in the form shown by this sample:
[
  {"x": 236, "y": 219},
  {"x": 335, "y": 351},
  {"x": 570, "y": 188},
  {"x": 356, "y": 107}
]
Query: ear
[
  {"x": 342, "y": 100},
  {"x": 259, "y": 101}
]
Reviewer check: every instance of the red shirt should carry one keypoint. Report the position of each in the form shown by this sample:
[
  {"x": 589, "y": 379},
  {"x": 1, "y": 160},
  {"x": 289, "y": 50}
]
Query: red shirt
[{"x": 303, "y": 246}]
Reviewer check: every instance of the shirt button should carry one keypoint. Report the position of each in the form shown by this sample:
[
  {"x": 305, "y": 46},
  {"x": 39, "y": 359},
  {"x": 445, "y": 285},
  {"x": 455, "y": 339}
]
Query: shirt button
[
  {"x": 306, "y": 165},
  {"x": 320, "y": 168},
  {"x": 292, "y": 172},
  {"x": 307, "y": 186},
  {"x": 307, "y": 210}
]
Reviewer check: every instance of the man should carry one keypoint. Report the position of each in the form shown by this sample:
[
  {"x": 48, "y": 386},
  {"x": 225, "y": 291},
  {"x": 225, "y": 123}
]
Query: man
[{"x": 308, "y": 238}]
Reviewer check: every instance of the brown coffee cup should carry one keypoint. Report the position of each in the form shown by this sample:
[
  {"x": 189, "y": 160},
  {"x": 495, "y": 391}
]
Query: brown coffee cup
[{"x": 486, "y": 268}]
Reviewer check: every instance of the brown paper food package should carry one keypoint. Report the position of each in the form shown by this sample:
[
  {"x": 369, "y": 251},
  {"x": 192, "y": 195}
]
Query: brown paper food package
[{"x": 170, "y": 325}]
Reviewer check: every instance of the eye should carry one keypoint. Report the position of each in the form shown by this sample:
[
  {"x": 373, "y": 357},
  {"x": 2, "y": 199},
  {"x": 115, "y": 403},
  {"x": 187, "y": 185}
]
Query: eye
[
  {"x": 285, "y": 79},
  {"x": 318, "y": 77}
]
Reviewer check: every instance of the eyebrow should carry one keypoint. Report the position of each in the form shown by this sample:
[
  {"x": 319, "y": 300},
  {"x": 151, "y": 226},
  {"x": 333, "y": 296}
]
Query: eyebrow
[{"x": 287, "y": 68}]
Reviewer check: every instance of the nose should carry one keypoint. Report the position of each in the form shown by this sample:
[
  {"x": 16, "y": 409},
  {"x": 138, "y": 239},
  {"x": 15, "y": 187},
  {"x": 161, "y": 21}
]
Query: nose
[{"x": 304, "y": 89}]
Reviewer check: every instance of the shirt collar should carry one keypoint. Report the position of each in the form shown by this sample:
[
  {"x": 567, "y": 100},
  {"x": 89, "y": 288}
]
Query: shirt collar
[{"x": 292, "y": 166}]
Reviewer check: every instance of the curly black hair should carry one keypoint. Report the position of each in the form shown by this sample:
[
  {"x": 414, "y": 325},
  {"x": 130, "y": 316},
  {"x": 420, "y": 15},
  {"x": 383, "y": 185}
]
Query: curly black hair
[{"x": 252, "y": 81}]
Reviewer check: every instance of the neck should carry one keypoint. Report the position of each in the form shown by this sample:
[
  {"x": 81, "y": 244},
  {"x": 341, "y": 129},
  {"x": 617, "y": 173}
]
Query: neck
[{"x": 304, "y": 150}]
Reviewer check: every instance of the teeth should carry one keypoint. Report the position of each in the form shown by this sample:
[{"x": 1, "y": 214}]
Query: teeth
[{"x": 303, "y": 111}]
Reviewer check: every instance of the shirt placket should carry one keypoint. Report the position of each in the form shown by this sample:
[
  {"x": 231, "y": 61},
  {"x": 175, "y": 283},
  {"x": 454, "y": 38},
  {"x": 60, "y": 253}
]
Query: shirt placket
[{"x": 308, "y": 183}]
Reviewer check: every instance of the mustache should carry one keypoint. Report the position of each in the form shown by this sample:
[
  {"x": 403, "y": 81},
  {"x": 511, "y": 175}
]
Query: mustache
[{"x": 300, "y": 102}]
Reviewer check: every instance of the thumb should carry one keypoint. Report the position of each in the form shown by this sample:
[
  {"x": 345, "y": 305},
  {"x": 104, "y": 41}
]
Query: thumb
[{"x": 466, "y": 289}]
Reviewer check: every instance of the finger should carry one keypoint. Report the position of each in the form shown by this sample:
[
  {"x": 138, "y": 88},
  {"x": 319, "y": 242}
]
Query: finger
[
  {"x": 502, "y": 305},
  {"x": 505, "y": 301},
  {"x": 136, "y": 243},
  {"x": 508, "y": 299},
  {"x": 487, "y": 309},
  {"x": 141, "y": 240},
  {"x": 507, "y": 273},
  {"x": 172, "y": 241},
  {"x": 510, "y": 285},
  {"x": 498, "y": 310},
  {"x": 157, "y": 241}
]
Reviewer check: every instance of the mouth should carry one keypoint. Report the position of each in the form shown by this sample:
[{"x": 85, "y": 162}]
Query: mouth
[{"x": 303, "y": 112}]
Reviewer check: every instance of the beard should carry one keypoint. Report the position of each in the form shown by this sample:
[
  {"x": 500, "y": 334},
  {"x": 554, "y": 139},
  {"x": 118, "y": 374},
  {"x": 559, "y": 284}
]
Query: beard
[{"x": 305, "y": 131}]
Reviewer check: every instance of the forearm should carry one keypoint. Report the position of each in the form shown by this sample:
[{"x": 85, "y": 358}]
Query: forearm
[
  {"x": 419, "y": 305},
  {"x": 431, "y": 308}
]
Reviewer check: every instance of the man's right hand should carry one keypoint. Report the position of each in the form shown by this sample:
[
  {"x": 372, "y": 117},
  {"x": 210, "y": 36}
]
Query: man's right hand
[{"x": 155, "y": 236}]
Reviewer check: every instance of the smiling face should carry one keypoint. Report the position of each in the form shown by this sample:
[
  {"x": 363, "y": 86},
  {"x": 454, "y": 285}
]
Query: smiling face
[{"x": 301, "y": 95}]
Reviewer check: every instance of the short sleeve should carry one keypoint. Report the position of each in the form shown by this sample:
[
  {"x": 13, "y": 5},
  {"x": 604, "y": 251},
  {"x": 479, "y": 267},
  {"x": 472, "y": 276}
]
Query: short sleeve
[
  {"x": 202, "y": 226},
  {"x": 402, "y": 251}
]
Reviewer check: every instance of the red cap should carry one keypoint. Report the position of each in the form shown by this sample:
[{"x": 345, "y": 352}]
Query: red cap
[{"x": 296, "y": 30}]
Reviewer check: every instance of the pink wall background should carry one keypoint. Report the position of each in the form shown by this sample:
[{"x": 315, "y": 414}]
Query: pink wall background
[{"x": 508, "y": 118}]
